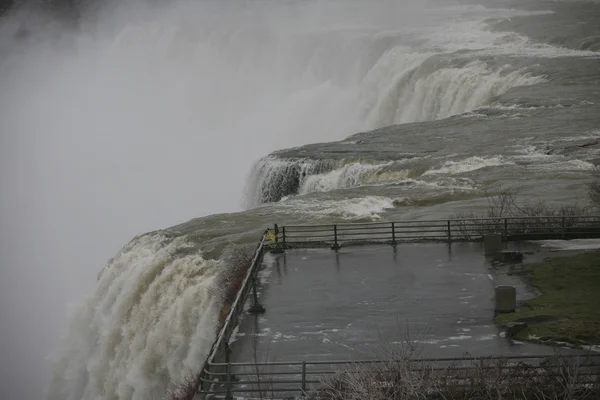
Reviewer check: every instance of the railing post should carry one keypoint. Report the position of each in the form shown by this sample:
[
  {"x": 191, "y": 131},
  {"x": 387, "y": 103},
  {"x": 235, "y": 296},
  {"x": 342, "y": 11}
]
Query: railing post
[
  {"x": 256, "y": 307},
  {"x": 228, "y": 383},
  {"x": 336, "y": 245},
  {"x": 303, "y": 377},
  {"x": 283, "y": 236},
  {"x": 393, "y": 233},
  {"x": 449, "y": 233},
  {"x": 202, "y": 374},
  {"x": 505, "y": 228},
  {"x": 564, "y": 227}
]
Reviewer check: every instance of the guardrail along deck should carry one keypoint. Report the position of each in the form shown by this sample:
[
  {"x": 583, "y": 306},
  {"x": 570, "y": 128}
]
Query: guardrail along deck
[
  {"x": 515, "y": 228},
  {"x": 220, "y": 351},
  {"x": 220, "y": 378},
  {"x": 277, "y": 380}
]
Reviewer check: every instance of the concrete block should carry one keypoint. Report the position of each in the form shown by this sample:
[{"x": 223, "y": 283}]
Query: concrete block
[
  {"x": 492, "y": 243},
  {"x": 506, "y": 299}
]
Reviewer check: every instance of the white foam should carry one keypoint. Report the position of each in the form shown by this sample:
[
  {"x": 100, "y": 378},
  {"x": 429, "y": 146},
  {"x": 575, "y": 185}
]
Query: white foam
[
  {"x": 417, "y": 93},
  {"x": 443, "y": 183},
  {"x": 460, "y": 337},
  {"x": 532, "y": 153},
  {"x": 474, "y": 35},
  {"x": 424, "y": 341},
  {"x": 369, "y": 207},
  {"x": 151, "y": 320},
  {"x": 490, "y": 336},
  {"x": 472, "y": 115},
  {"x": 351, "y": 175},
  {"x": 223, "y": 80},
  {"x": 468, "y": 165},
  {"x": 517, "y": 107}
]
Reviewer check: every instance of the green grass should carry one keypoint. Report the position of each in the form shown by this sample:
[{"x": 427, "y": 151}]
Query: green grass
[{"x": 569, "y": 308}]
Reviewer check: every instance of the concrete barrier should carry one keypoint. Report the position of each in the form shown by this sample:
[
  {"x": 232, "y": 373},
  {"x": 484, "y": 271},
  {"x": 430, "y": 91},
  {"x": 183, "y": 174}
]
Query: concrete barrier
[
  {"x": 492, "y": 243},
  {"x": 506, "y": 299}
]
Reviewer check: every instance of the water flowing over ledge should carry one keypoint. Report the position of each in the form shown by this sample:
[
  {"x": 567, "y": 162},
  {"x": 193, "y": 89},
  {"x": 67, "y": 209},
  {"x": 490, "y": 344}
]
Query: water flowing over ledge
[{"x": 445, "y": 111}]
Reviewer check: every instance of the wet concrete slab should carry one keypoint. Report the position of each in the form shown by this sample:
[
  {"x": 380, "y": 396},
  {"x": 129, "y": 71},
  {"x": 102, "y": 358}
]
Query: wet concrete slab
[{"x": 364, "y": 302}]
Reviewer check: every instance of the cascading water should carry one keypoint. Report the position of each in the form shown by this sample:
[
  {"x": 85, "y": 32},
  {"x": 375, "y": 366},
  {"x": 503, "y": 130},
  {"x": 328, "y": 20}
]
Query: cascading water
[
  {"x": 437, "y": 89},
  {"x": 148, "y": 325},
  {"x": 400, "y": 88},
  {"x": 149, "y": 115}
]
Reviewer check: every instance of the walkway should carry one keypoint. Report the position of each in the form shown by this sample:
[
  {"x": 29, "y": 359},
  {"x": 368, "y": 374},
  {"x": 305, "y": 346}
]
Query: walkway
[{"x": 357, "y": 302}]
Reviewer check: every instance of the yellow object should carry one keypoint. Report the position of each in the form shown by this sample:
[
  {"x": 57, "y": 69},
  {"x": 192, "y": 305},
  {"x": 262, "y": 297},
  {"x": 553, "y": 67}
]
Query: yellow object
[{"x": 272, "y": 238}]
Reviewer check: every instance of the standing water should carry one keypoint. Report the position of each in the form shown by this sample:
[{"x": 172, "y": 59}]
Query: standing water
[{"x": 142, "y": 115}]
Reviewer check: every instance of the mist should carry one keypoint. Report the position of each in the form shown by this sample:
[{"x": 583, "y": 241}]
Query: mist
[{"x": 144, "y": 116}]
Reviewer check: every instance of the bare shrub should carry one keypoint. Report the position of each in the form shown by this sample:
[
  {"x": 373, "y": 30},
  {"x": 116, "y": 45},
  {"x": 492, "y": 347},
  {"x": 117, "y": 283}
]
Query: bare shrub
[
  {"x": 502, "y": 204},
  {"x": 230, "y": 280},
  {"x": 184, "y": 390},
  {"x": 400, "y": 374},
  {"x": 523, "y": 218},
  {"x": 557, "y": 378}
]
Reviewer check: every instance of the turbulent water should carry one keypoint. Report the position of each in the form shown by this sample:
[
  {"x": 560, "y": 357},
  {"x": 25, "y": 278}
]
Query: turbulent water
[{"x": 417, "y": 109}]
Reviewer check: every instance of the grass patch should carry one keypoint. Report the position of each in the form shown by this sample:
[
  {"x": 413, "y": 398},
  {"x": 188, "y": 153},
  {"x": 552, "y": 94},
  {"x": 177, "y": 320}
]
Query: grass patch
[{"x": 569, "y": 308}]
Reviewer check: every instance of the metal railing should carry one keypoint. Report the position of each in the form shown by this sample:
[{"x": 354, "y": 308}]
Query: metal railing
[
  {"x": 511, "y": 228},
  {"x": 220, "y": 378},
  {"x": 220, "y": 351},
  {"x": 277, "y": 380}
]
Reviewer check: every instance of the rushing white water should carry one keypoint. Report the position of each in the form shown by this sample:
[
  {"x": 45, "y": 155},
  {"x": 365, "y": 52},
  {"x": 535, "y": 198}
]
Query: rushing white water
[
  {"x": 150, "y": 115},
  {"x": 275, "y": 178},
  {"x": 149, "y": 324},
  {"x": 468, "y": 165},
  {"x": 400, "y": 88},
  {"x": 425, "y": 93},
  {"x": 348, "y": 176},
  {"x": 353, "y": 209}
]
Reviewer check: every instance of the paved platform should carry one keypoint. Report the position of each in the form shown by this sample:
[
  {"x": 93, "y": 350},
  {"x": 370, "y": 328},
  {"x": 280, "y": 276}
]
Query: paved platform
[{"x": 360, "y": 302}]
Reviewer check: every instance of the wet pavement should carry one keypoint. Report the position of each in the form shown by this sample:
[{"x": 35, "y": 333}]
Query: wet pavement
[{"x": 363, "y": 302}]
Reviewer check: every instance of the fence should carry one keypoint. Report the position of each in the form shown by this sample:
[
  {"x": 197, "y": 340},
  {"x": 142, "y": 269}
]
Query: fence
[
  {"x": 514, "y": 228},
  {"x": 277, "y": 380},
  {"x": 220, "y": 378},
  {"x": 220, "y": 351}
]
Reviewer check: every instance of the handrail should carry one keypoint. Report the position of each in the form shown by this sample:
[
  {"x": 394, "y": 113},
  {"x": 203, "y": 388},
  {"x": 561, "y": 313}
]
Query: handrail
[
  {"x": 218, "y": 363},
  {"x": 220, "y": 348},
  {"x": 414, "y": 360},
  {"x": 468, "y": 229},
  {"x": 290, "y": 377}
]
